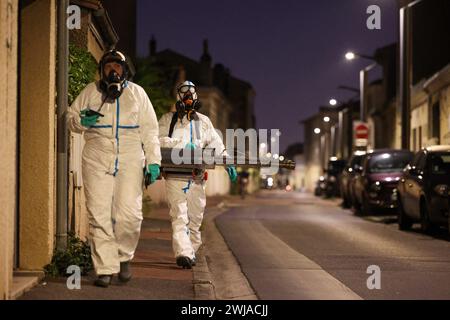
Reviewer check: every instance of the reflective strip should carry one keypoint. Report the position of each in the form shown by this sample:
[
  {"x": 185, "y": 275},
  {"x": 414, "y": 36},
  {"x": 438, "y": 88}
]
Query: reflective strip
[
  {"x": 185, "y": 189},
  {"x": 129, "y": 127},
  {"x": 191, "y": 131},
  {"x": 102, "y": 126},
  {"x": 117, "y": 136}
]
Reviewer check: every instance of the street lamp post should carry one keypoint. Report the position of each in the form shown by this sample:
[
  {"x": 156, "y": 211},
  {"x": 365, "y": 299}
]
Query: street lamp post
[
  {"x": 405, "y": 73},
  {"x": 364, "y": 84},
  {"x": 363, "y": 80}
]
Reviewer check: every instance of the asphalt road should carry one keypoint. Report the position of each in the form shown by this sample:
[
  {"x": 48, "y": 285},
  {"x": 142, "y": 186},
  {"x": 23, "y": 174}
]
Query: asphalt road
[{"x": 295, "y": 246}]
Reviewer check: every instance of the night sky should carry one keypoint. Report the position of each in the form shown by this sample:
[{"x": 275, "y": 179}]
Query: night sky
[{"x": 292, "y": 52}]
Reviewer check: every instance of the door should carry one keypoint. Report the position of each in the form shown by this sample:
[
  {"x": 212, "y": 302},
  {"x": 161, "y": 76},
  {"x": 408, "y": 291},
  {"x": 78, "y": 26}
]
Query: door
[
  {"x": 406, "y": 185},
  {"x": 412, "y": 186}
]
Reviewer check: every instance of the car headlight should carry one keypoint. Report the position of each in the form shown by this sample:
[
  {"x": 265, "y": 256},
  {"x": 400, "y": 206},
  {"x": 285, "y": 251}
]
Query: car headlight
[
  {"x": 376, "y": 187},
  {"x": 443, "y": 190},
  {"x": 332, "y": 179}
]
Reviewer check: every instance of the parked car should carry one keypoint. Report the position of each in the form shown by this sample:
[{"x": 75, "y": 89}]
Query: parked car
[
  {"x": 319, "y": 190},
  {"x": 424, "y": 190},
  {"x": 332, "y": 177},
  {"x": 376, "y": 184},
  {"x": 347, "y": 176}
]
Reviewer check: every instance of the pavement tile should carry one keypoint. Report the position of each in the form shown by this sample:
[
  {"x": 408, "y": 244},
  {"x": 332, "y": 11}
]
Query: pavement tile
[{"x": 155, "y": 273}]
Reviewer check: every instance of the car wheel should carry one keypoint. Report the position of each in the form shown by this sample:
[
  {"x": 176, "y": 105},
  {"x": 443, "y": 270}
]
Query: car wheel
[
  {"x": 367, "y": 209},
  {"x": 345, "y": 201},
  {"x": 404, "y": 222},
  {"x": 357, "y": 209},
  {"x": 425, "y": 223},
  {"x": 317, "y": 192}
]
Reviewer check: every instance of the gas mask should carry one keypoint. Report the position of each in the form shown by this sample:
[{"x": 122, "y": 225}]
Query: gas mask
[
  {"x": 188, "y": 102},
  {"x": 112, "y": 84}
]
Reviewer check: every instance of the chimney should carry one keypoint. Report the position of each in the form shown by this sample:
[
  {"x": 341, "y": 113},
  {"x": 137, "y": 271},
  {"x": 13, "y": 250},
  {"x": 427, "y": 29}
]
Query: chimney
[{"x": 205, "y": 62}]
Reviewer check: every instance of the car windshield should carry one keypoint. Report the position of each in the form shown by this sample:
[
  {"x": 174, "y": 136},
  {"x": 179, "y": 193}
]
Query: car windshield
[
  {"x": 440, "y": 163},
  {"x": 336, "y": 166},
  {"x": 389, "y": 162}
]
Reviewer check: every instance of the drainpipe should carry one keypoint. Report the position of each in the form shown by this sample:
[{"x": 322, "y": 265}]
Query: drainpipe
[
  {"x": 62, "y": 134},
  {"x": 405, "y": 73}
]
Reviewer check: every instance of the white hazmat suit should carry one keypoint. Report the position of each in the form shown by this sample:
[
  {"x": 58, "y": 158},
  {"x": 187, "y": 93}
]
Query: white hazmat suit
[
  {"x": 186, "y": 197},
  {"x": 114, "y": 156}
]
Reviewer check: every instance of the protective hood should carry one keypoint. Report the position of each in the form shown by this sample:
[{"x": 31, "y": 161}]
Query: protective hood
[
  {"x": 188, "y": 102},
  {"x": 112, "y": 84}
]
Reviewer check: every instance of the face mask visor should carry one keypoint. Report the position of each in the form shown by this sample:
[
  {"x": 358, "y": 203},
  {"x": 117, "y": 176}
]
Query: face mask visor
[{"x": 187, "y": 94}]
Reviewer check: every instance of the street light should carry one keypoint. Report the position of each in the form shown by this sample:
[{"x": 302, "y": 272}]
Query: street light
[
  {"x": 333, "y": 102},
  {"x": 317, "y": 130},
  {"x": 353, "y": 55},
  {"x": 326, "y": 119},
  {"x": 349, "y": 56}
]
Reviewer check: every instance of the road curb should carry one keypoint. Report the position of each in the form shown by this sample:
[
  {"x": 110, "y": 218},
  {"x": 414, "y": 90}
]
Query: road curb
[
  {"x": 202, "y": 279},
  {"x": 219, "y": 276}
]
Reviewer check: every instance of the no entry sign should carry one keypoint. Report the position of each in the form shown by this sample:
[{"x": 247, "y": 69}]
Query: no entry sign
[{"x": 361, "y": 133}]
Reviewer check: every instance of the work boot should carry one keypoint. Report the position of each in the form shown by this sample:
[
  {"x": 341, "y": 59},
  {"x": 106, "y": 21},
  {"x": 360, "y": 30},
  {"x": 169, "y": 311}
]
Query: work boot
[
  {"x": 125, "y": 272},
  {"x": 184, "y": 262},
  {"x": 103, "y": 281}
]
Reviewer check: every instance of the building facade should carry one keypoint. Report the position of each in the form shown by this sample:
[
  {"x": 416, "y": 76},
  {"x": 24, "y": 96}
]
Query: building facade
[
  {"x": 27, "y": 226},
  {"x": 28, "y": 101}
]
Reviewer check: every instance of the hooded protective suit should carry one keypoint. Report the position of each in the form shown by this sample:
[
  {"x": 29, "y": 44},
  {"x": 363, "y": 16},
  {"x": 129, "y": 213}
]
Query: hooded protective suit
[
  {"x": 114, "y": 155},
  {"x": 186, "y": 197}
]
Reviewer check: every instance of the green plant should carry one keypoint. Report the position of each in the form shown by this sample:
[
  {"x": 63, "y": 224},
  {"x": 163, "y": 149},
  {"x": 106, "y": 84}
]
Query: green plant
[
  {"x": 82, "y": 70},
  {"x": 77, "y": 253}
]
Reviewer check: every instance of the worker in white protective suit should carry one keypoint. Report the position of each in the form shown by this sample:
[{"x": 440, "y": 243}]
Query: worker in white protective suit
[
  {"x": 187, "y": 128},
  {"x": 121, "y": 134}
]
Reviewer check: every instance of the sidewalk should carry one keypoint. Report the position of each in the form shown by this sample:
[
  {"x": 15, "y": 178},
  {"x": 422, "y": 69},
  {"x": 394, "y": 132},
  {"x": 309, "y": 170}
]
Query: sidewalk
[{"x": 155, "y": 274}]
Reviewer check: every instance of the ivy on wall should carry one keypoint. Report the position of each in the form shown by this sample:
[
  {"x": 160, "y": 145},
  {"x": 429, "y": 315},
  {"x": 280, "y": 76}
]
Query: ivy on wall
[{"x": 82, "y": 70}]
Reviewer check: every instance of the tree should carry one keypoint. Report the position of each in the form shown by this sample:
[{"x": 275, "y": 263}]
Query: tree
[{"x": 157, "y": 83}]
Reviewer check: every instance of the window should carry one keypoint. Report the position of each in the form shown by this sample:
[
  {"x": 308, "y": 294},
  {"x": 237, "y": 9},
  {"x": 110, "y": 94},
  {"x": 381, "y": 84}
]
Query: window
[
  {"x": 440, "y": 164},
  {"x": 422, "y": 161},
  {"x": 420, "y": 138},
  {"x": 436, "y": 121},
  {"x": 389, "y": 162}
]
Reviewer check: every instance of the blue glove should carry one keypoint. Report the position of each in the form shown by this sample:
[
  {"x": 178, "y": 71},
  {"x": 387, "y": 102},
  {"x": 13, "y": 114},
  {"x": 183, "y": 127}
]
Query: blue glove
[
  {"x": 232, "y": 173},
  {"x": 153, "y": 172},
  {"x": 88, "y": 121}
]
